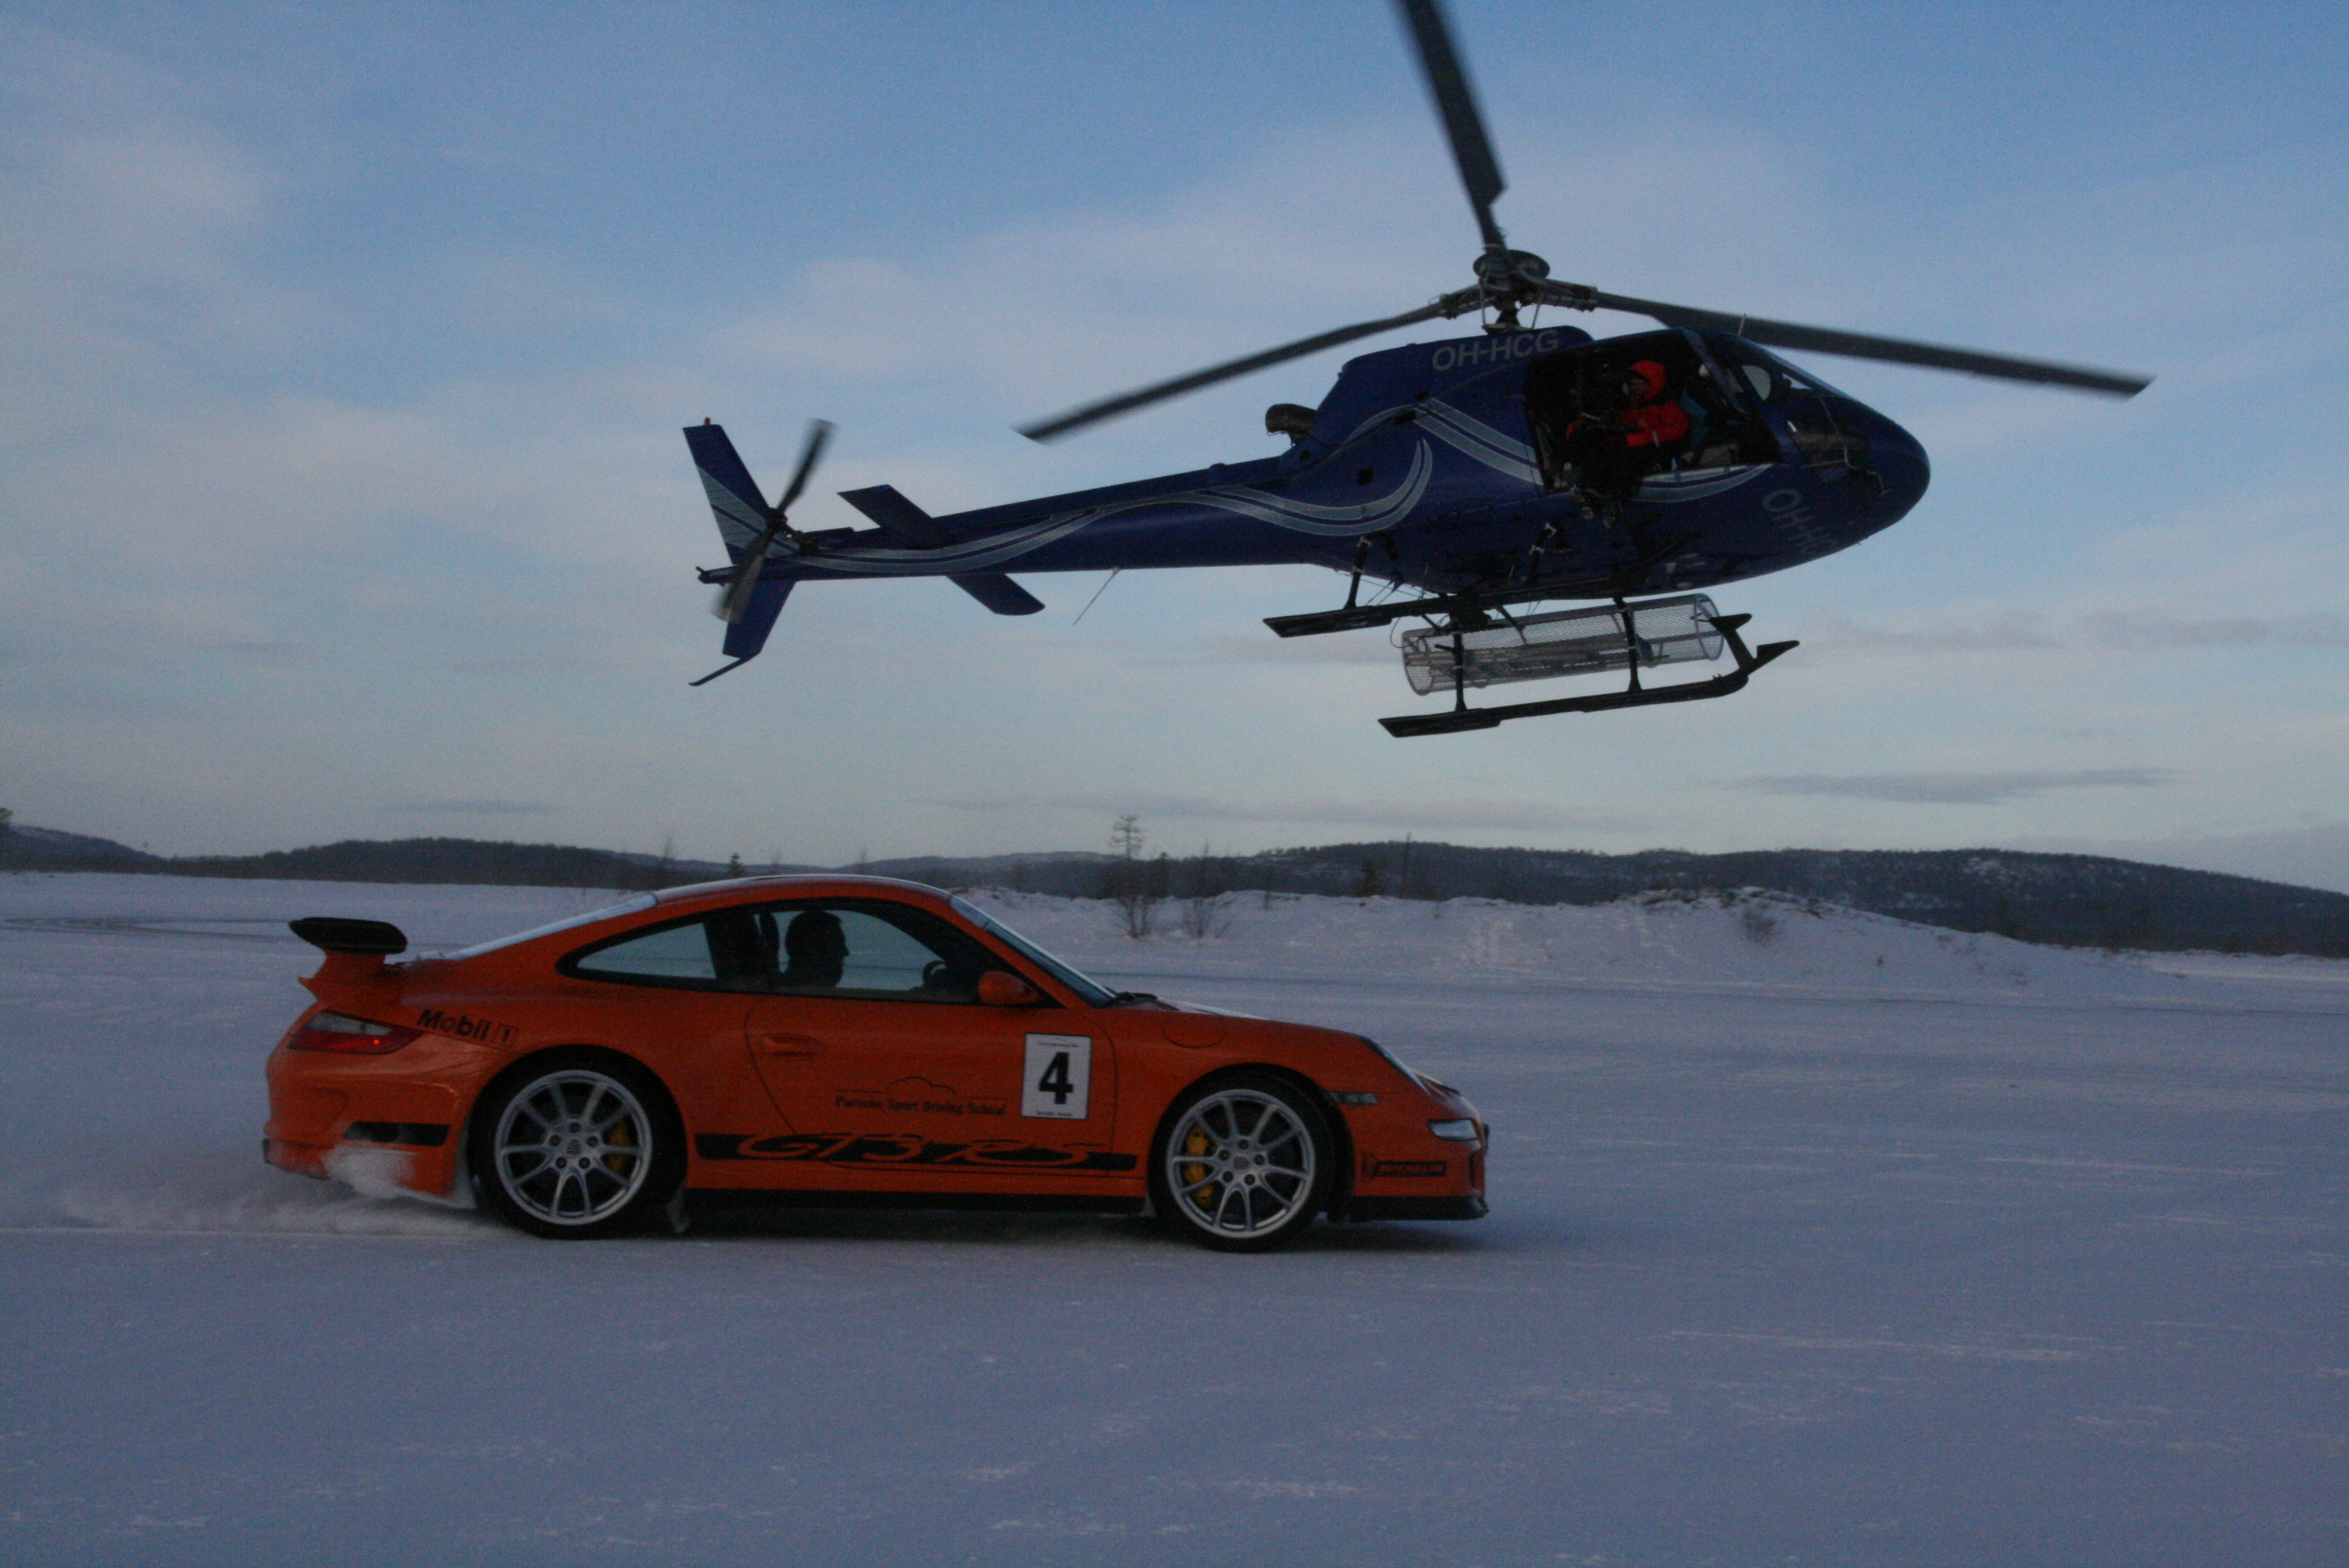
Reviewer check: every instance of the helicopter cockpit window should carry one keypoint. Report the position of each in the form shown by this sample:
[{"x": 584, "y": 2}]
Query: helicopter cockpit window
[
  {"x": 1768, "y": 377},
  {"x": 1830, "y": 445}
]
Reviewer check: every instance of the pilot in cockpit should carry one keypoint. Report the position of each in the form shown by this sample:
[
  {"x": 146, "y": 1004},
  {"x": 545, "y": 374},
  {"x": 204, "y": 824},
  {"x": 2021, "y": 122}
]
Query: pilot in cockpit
[{"x": 1624, "y": 432}]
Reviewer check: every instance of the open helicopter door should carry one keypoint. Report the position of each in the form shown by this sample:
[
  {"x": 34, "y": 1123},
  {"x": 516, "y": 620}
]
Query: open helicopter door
[{"x": 1575, "y": 385}]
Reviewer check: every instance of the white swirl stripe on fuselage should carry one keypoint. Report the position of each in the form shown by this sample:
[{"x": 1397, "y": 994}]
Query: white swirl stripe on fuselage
[{"x": 1000, "y": 550}]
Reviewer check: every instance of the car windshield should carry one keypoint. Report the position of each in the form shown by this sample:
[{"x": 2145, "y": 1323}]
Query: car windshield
[
  {"x": 1095, "y": 993},
  {"x": 635, "y": 904}
]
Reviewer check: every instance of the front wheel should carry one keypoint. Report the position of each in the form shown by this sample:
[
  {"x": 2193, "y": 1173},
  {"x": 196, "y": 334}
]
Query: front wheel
[
  {"x": 574, "y": 1147},
  {"x": 1243, "y": 1164}
]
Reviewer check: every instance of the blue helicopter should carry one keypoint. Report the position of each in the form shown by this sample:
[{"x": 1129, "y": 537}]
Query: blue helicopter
[{"x": 1480, "y": 476}]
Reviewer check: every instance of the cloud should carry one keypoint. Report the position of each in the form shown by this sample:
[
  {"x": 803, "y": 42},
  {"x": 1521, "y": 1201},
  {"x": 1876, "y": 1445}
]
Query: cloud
[
  {"x": 2095, "y": 631},
  {"x": 471, "y": 809},
  {"x": 1416, "y": 817},
  {"x": 1958, "y": 788},
  {"x": 2135, "y": 630},
  {"x": 2003, "y": 631}
]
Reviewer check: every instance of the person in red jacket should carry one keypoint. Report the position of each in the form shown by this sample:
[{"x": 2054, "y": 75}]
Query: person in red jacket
[
  {"x": 1652, "y": 420},
  {"x": 1624, "y": 434}
]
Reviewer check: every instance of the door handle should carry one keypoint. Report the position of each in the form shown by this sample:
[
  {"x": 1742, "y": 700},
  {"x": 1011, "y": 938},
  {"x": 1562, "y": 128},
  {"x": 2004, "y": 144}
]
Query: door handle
[{"x": 788, "y": 1046}]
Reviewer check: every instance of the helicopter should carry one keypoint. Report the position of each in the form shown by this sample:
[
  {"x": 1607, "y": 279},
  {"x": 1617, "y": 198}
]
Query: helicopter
[{"x": 1470, "y": 478}]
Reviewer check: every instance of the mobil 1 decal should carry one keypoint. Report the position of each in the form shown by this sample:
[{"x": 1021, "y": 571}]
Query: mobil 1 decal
[{"x": 1059, "y": 1080}]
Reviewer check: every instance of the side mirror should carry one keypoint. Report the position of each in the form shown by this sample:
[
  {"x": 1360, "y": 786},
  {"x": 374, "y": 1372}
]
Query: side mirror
[{"x": 997, "y": 988}]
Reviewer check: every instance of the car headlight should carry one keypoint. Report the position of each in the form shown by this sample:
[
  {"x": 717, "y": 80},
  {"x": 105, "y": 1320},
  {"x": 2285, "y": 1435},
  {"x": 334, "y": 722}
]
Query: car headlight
[{"x": 1460, "y": 1130}]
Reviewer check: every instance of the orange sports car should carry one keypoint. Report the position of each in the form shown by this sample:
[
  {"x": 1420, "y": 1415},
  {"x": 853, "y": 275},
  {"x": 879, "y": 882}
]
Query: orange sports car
[{"x": 840, "y": 1041}]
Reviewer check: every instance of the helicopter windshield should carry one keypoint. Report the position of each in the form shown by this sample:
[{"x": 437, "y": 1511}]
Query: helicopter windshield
[
  {"x": 1758, "y": 371},
  {"x": 1825, "y": 426}
]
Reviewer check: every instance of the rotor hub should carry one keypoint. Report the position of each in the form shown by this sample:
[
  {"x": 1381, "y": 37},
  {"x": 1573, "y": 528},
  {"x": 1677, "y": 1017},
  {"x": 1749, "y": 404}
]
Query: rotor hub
[{"x": 1517, "y": 274}]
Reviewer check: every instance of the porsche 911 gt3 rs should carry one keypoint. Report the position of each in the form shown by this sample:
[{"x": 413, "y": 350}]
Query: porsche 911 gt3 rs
[{"x": 840, "y": 1041}]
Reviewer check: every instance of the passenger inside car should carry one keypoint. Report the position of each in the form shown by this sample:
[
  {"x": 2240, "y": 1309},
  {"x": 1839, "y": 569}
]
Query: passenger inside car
[{"x": 851, "y": 951}]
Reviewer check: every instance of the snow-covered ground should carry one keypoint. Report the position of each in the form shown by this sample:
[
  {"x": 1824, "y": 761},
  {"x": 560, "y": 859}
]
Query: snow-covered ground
[{"x": 1817, "y": 1238}]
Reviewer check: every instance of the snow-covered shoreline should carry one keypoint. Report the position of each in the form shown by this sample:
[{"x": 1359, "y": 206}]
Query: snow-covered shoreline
[
  {"x": 1984, "y": 1254},
  {"x": 1703, "y": 943}
]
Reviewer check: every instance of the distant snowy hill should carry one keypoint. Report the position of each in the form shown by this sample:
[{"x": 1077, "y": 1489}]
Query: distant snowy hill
[
  {"x": 1745, "y": 942},
  {"x": 2075, "y": 901},
  {"x": 48, "y": 849}
]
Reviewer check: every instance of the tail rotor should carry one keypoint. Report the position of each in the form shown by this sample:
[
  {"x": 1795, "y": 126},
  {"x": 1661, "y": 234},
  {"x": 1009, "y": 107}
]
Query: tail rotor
[{"x": 737, "y": 595}]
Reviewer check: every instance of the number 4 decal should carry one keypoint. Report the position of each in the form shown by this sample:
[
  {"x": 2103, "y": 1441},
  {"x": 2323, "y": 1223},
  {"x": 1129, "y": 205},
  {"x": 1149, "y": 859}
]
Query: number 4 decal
[{"x": 1059, "y": 1077}]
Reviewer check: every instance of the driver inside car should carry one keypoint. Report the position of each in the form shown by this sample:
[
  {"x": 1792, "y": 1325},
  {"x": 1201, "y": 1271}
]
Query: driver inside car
[{"x": 818, "y": 952}]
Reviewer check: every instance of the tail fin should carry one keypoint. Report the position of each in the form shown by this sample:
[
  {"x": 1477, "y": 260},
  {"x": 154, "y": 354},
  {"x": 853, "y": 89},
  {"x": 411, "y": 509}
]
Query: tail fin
[
  {"x": 741, "y": 516},
  {"x": 734, "y": 498}
]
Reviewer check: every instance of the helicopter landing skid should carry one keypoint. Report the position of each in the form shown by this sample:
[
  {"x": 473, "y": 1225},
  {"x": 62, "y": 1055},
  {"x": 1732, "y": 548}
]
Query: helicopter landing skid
[{"x": 1635, "y": 696}]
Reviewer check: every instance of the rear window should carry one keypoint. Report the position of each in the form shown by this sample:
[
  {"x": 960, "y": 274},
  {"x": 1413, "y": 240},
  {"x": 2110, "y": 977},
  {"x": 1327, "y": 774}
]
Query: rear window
[
  {"x": 667, "y": 955},
  {"x": 636, "y": 904}
]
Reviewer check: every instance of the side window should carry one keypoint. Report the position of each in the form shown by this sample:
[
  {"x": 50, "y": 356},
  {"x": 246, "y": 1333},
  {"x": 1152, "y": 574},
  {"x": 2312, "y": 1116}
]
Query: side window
[
  {"x": 881, "y": 957},
  {"x": 670, "y": 955},
  {"x": 870, "y": 950}
]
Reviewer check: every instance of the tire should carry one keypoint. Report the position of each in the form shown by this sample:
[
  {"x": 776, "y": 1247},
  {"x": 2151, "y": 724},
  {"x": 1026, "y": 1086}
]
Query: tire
[
  {"x": 575, "y": 1146},
  {"x": 1242, "y": 1163}
]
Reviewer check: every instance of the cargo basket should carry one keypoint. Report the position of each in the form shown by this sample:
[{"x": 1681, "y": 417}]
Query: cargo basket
[{"x": 1569, "y": 643}]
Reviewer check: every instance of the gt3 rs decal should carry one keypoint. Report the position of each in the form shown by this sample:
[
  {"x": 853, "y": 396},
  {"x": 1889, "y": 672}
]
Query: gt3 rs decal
[
  {"x": 909, "y": 1149},
  {"x": 465, "y": 1028},
  {"x": 1059, "y": 1078}
]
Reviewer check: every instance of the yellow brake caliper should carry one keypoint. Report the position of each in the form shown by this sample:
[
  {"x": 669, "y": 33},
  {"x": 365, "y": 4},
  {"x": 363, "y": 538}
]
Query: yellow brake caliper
[{"x": 1198, "y": 1142}]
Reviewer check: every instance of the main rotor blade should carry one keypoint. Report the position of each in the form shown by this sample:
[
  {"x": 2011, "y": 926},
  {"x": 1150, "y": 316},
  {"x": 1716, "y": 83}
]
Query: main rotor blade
[
  {"x": 1854, "y": 345},
  {"x": 1109, "y": 408},
  {"x": 1455, "y": 101}
]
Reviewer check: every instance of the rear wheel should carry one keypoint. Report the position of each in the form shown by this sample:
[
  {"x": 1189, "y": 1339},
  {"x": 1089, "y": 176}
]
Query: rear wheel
[
  {"x": 1242, "y": 1163},
  {"x": 574, "y": 1147}
]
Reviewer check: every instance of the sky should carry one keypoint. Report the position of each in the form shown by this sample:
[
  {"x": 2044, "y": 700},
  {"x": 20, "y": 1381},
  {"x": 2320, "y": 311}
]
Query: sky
[{"x": 345, "y": 350}]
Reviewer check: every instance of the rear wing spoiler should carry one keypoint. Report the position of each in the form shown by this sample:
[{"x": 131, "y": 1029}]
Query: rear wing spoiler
[{"x": 361, "y": 938}]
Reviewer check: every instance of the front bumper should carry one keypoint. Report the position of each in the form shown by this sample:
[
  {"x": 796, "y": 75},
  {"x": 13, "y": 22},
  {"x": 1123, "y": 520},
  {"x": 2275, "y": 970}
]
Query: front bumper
[{"x": 1470, "y": 1206}]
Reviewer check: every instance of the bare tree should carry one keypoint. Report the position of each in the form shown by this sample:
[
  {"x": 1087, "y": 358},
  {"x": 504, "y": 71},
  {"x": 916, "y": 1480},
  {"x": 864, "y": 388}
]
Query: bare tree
[
  {"x": 663, "y": 872},
  {"x": 1133, "y": 886},
  {"x": 1203, "y": 906}
]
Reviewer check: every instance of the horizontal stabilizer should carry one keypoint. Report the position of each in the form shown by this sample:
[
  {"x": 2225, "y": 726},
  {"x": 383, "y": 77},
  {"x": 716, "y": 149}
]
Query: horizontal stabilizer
[
  {"x": 902, "y": 522},
  {"x": 997, "y": 593},
  {"x": 908, "y": 527}
]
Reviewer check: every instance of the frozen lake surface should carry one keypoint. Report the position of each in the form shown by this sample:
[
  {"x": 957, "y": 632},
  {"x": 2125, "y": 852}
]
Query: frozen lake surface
[{"x": 1817, "y": 1238}]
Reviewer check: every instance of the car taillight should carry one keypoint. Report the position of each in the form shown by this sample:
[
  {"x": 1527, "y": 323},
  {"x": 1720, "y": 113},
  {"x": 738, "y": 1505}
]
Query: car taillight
[{"x": 353, "y": 1036}]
